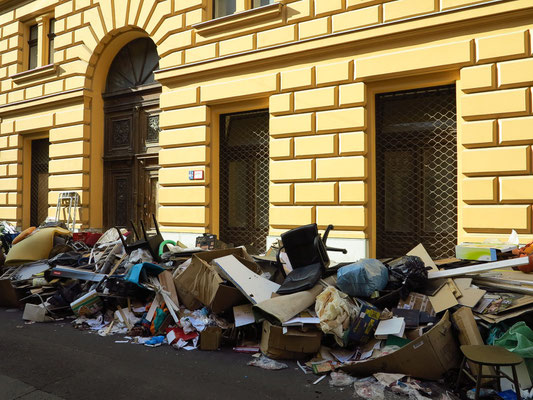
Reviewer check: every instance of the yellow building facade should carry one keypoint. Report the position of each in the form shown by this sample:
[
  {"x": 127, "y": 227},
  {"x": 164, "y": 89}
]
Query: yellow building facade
[{"x": 344, "y": 89}]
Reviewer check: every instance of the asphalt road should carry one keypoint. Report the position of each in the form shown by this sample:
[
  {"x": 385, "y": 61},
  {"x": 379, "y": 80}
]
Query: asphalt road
[{"x": 50, "y": 361}]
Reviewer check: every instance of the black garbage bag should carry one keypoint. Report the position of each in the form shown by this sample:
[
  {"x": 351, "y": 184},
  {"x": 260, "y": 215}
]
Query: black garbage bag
[
  {"x": 65, "y": 295},
  {"x": 408, "y": 273},
  {"x": 69, "y": 259}
]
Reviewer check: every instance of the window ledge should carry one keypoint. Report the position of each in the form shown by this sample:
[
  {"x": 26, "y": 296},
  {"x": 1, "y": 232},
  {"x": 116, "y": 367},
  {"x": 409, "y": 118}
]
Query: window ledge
[
  {"x": 36, "y": 73},
  {"x": 235, "y": 20}
]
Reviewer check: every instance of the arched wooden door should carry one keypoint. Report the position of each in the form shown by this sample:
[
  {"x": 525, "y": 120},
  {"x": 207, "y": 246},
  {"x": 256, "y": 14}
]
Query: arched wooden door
[{"x": 131, "y": 105}]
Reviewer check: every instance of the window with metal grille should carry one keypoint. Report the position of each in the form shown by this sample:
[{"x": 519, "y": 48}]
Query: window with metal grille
[
  {"x": 244, "y": 178},
  {"x": 39, "y": 181},
  {"x": 416, "y": 167},
  {"x": 33, "y": 47}
]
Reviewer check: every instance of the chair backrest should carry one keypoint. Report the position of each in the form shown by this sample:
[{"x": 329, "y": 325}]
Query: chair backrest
[
  {"x": 153, "y": 241},
  {"x": 304, "y": 247}
]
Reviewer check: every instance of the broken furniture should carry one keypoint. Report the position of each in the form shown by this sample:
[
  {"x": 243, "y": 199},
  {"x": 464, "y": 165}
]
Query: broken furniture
[
  {"x": 491, "y": 356},
  {"x": 35, "y": 247},
  {"x": 308, "y": 256},
  {"x": 151, "y": 243}
]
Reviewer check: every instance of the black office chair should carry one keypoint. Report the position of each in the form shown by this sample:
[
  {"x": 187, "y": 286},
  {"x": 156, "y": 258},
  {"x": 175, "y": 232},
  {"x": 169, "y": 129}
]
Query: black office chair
[
  {"x": 153, "y": 241},
  {"x": 308, "y": 255}
]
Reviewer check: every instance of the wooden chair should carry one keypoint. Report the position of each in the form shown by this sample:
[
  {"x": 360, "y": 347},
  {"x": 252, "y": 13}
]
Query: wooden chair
[{"x": 491, "y": 356}]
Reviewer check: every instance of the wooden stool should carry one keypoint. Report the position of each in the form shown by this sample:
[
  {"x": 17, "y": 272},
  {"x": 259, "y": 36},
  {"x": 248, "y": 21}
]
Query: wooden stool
[{"x": 494, "y": 356}]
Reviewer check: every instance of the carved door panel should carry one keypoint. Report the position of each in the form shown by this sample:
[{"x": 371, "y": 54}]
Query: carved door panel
[
  {"x": 119, "y": 167},
  {"x": 118, "y": 200},
  {"x": 131, "y": 166}
]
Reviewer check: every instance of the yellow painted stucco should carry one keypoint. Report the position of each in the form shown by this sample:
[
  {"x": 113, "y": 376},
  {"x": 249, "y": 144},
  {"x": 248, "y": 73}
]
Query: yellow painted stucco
[{"x": 317, "y": 65}]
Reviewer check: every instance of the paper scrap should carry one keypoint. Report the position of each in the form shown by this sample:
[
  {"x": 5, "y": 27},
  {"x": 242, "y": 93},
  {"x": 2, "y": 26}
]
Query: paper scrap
[{"x": 243, "y": 315}]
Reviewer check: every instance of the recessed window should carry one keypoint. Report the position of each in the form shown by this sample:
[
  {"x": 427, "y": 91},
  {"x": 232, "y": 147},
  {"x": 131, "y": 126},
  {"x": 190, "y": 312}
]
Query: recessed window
[
  {"x": 224, "y": 7},
  {"x": 260, "y": 3},
  {"x": 51, "y": 38},
  {"x": 33, "y": 45},
  {"x": 228, "y": 7}
]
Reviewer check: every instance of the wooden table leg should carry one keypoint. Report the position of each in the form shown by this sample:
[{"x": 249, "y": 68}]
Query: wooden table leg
[
  {"x": 460, "y": 375},
  {"x": 478, "y": 380},
  {"x": 499, "y": 383},
  {"x": 516, "y": 383}
]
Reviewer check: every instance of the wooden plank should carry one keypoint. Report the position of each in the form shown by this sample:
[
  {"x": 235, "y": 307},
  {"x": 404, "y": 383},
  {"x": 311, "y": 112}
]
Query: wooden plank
[
  {"x": 167, "y": 282},
  {"x": 510, "y": 288},
  {"x": 450, "y": 273}
]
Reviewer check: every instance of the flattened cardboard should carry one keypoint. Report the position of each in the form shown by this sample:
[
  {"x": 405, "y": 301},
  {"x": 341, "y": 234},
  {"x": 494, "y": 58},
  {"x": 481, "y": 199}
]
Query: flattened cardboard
[
  {"x": 471, "y": 296},
  {"x": 283, "y": 308},
  {"x": 295, "y": 344},
  {"x": 428, "y": 357},
  {"x": 421, "y": 252},
  {"x": 443, "y": 299},
  {"x": 253, "y": 286},
  {"x": 201, "y": 284},
  {"x": 469, "y": 334}
]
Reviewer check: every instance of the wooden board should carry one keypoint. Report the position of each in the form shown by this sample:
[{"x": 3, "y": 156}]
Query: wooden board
[
  {"x": 253, "y": 286},
  {"x": 450, "y": 273},
  {"x": 167, "y": 282}
]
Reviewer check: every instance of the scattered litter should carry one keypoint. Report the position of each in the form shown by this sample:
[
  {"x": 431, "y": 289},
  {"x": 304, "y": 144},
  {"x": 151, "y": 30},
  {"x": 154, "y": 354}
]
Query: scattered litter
[
  {"x": 340, "y": 379},
  {"x": 389, "y": 320},
  {"x": 319, "y": 380},
  {"x": 267, "y": 363}
]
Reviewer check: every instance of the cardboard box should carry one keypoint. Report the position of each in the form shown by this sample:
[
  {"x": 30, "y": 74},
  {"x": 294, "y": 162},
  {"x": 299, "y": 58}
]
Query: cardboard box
[
  {"x": 294, "y": 344},
  {"x": 482, "y": 251},
  {"x": 428, "y": 357},
  {"x": 417, "y": 301},
  {"x": 200, "y": 281},
  {"x": 8, "y": 294},
  {"x": 210, "y": 338},
  {"x": 35, "y": 312},
  {"x": 88, "y": 304},
  {"x": 362, "y": 329}
]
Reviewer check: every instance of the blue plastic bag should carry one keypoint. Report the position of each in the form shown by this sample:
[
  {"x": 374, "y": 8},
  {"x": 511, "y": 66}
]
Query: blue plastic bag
[{"x": 362, "y": 278}]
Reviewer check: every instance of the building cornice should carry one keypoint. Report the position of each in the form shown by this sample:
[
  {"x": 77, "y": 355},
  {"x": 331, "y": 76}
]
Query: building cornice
[{"x": 419, "y": 26}]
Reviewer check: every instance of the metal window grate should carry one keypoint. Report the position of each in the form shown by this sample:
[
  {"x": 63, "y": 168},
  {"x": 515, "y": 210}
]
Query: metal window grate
[
  {"x": 416, "y": 166},
  {"x": 39, "y": 181},
  {"x": 244, "y": 178}
]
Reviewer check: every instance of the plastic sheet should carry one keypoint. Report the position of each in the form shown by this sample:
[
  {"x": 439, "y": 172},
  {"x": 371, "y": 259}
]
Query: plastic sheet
[
  {"x": 362, "y": 278},
  {"x": 368, "y": 388},
  {"x": 267, "y": 363},
  {"x": 519, "y": 340},
  {"x": 340, "y": 379}
]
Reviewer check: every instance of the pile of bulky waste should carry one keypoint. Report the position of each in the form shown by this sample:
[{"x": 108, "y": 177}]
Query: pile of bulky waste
[{"x": 387, "y": 325}]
